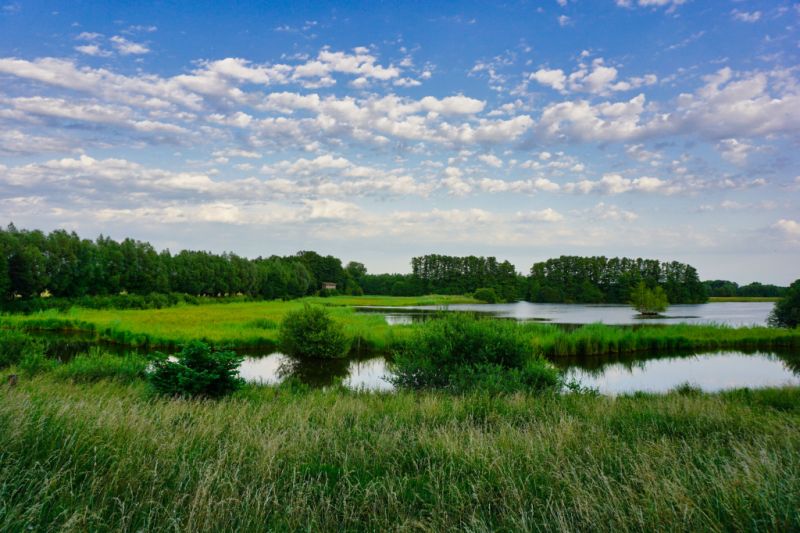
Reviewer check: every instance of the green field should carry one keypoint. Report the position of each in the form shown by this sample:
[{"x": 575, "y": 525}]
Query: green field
[
  {"x": 239, "y": 324},
  {"x": 246, "y": 324},
  {"x": 106, "y": 456}
]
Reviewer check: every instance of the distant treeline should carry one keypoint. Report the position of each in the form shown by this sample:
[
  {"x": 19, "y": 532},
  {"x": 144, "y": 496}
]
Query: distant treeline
[
  {"x": 604, "y": 280},
  {"x": 102, "y": 272},
  {"x": 63, "y": 265},
  {"x": 721, "y": 287}
]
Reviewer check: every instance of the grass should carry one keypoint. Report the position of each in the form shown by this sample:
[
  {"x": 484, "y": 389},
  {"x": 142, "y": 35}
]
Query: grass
[
  {"x": 239, "y": 324},
  {"x": 108, "y": 456},
  {"x": 743, "y": 299},
  {"x": 244, "y": 324},
  {"x": 600, "y": 339}
]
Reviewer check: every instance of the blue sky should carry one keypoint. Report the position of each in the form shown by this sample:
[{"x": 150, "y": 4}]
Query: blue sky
[{"x": 377, "y": 131}]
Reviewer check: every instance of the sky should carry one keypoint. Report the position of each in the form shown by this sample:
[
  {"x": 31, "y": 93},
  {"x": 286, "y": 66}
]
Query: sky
[{"x": 377, "y": 131}]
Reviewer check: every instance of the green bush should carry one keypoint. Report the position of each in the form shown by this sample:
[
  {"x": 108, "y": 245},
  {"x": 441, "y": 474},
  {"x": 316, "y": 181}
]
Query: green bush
[
  {"x": 485, "y": 295},
  {"x": 786, "y": 313},
  {"x": 311, "y": 332},
  {"x": 460, "y": 352},
  {"x": 649, "y": 301},
  {"x": 36, "y": 363},
  {"x": 196, "y": 371},
  {"x": 15, "y": 345},
  {"x": 97, "y": 365}
]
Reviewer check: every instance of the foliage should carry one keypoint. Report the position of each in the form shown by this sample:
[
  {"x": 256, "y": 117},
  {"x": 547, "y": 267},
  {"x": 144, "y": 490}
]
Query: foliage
[
  {"x": 460, "y": 352},
  {"x": 196, "y": 371},
  {"x": 106, "y": 457},
  {"x": 649, "y": 301},
  {"x": 786, "y": 312},
  {"x": 311, "y": 332},
  {"x": 15, "y": 345},
  {"x": 729, "y": 289},
  {"x": 444, "y": 274},
  {"x": 485, "y": 295},
  {"x": 36, "y": 362},
  {"x": 571, "y": 279},
  {"x": 97, "y": 365}
]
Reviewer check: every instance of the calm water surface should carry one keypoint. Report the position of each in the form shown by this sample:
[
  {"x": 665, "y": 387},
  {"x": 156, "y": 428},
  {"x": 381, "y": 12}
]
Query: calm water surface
[
  {"x": 711, "y": 372},
  {"x": 730, "y": 313}
]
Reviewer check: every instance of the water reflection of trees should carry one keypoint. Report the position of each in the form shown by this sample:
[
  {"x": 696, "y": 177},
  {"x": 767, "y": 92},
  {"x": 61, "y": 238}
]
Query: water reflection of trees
[
  {"x": 597, "y": 365},
  {"x": 315, "y": 372}
]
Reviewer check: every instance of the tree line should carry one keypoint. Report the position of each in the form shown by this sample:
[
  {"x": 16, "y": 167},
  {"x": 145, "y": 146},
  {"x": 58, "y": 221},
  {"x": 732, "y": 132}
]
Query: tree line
[
  {"x": 599, "y": 279},
  {"x": 61, "y": 264},
  {"x": 725, "y": 288}
]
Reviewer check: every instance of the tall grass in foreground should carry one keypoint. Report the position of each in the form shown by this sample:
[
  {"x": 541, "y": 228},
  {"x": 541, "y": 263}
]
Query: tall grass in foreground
[{"x": 108, "y": 457}]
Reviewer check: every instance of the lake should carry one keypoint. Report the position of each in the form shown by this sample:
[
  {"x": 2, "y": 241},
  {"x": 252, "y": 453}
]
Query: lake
[{"x": 729, "y": 313}]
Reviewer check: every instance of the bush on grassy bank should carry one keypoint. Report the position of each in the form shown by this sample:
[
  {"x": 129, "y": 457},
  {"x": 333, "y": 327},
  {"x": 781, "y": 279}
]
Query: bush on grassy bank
[
  {"x": 486, "y": 295},
  {"x": 786, "y": 312},
  {"x": 196, "y": 371},
  {"x": 459, "y": 352},
  {"x": 311, "y": 332}
]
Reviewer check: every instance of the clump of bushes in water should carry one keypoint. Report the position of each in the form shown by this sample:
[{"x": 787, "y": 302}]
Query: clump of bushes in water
[
  {"x": 458, "y": 352},
  {"x": 196, "y": 370},
  {"x": 311, "y": 332},
  {"x": 649, "y": 302},
  {"x": 485, "y": 295},
  {"x": 786, "y": 312}
]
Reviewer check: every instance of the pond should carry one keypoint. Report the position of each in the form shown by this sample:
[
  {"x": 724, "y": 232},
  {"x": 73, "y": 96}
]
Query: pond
[
  {"x": 713, "y": 371},
  {"x": 615, "y": 374},
  {"x": 729, "y": 313}
]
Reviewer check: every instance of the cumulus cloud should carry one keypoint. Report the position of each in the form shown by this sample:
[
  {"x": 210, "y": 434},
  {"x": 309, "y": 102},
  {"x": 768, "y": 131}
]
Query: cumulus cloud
[{"x": 788, "y": 228}]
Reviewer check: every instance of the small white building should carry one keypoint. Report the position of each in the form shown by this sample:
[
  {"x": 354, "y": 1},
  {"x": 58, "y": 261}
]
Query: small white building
[{"x": 328, "y": 286}]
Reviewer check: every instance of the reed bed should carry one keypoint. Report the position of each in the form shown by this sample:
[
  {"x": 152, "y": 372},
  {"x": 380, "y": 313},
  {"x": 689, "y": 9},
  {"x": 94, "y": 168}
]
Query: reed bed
[{"x": 108, "y": 456}]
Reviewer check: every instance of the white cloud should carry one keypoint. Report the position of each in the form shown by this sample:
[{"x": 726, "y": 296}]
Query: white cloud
[
  {"x": 554, "y": 78},
  {"x": 734, "y": 150},
  {"x": 543, "y": 215},
  {"x": 789, "y": 228},
  {"x": 126, "y": 47},
  {"x": 93, "y": 50},
  {"x": 491, "y": 160},
  {"x": 745, "y": 16}
]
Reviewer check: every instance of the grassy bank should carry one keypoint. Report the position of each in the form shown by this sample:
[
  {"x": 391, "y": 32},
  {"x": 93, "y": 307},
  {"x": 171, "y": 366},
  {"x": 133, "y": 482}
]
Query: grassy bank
[
  {"x": 256, "y": 324},
  {"x": 743, "y": 299},
  {"x": 107, "y": 456}
]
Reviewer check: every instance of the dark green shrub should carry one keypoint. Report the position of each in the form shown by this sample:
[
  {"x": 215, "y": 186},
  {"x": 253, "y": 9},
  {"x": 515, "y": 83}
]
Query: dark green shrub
[
  {"x": 15, "y": 345},
  {"x": 460, "y": 352},
  {"x": 786, "y": 313},
  {"x": 36, "y": 363},
  {"x": 311, "y": 332},
  {"x": 196, "y": 371},
  {"x": 485, "y": 295}
]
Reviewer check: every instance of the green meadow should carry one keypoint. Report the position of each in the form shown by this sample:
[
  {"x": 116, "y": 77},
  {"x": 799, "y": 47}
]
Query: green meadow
[
  {"x": 106, "y": 455},
  {"x": 244, "y": 324}
]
